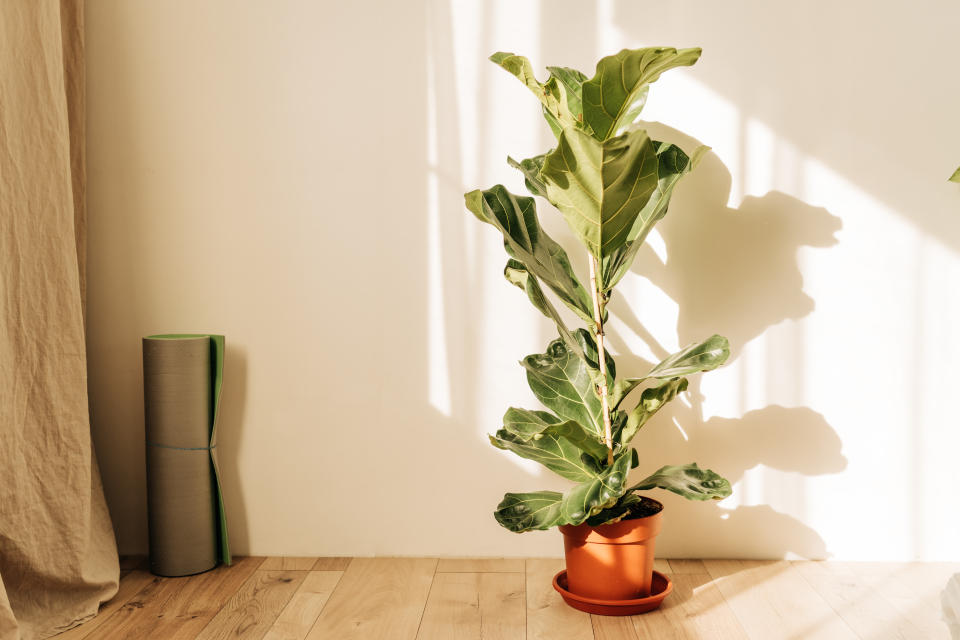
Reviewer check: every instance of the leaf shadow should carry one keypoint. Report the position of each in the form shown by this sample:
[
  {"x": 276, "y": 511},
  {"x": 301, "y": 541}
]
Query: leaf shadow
[{"x": 734, "y": 271}]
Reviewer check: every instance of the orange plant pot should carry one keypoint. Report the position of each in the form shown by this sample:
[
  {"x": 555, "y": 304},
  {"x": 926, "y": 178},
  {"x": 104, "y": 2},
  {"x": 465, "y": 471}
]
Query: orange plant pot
[{"x": 612, "y": 561}]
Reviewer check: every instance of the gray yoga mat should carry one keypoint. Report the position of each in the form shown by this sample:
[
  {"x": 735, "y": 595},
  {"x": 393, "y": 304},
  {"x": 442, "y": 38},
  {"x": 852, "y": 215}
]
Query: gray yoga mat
[{"x": 182, "y": 378}]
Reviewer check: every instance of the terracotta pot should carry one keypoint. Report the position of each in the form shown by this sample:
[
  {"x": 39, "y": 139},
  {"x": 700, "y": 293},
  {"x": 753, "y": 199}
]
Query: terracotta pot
[{"x": 612, "y": 561}]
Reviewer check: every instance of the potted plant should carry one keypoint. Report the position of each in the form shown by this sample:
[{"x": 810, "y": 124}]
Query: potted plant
[{"x": 611, "y": 183}]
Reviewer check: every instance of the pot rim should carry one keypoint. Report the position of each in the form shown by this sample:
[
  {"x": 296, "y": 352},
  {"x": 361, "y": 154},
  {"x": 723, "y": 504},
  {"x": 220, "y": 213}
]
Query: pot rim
[{"x": 623, "y": 532}]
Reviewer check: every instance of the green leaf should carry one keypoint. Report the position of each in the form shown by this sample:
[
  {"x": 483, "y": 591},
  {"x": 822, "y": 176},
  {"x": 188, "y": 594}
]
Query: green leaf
[
  {"x": 614, "y": 96},
  {"x": 521, "y": 512},
  {"x": 956, "y": 176},
  {"x": 520, "y": 67},
  {"x": 566, "y": 383},
  {"x": 530, "y": 168},
  {"x": 581, "y": 439},
  {"x": 555, "y": 453},
  {"x": 517, "y": 274},
  {"x": 572, "y": 81},
  {"x": 617, "y": 512},
  {"x": 651, "y": 401},
  {"x": 590, "y": 498},
  {"x": 525, "y": 240},
  {"x": 552, "y": 94},
  {"x": 544, "y": 509},
  {"x": 601, "y": 188},
  {"x": 557, "y": 445},
  {"x": 689, "y": 481},
  {"x": 694, "y": 358},
  {"x": 672, "y": 164},
  {"x": 525, "y": 424}
]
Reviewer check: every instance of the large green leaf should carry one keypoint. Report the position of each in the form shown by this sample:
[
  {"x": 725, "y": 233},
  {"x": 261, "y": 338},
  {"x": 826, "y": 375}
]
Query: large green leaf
[
  {"x": 521, "y": 512},
  {"x": 572, "y": 82},
  {"x": 552, "y": 451},
  {"x": 652, "y": 399},
  {"x": 672, "y": 164},
  {"x": 601, "y": 188},
  {"x": 553, "y": 95},
  {"x": 956, "y": 176},
  {"x": 589, "y": 498},
  {"x": 689, "y": 481},
  {"x": 614, "y": 96},
  {"x": 566, "y": 384},
  {"x": 544, "y": 509},
  {"x": 617, "y": 512},
  {"x": 556, "y": 444},
  {"x": 527, "y": 424},
  {"x": 694, "y": 358},
  {"x": 525, "y": 240}
]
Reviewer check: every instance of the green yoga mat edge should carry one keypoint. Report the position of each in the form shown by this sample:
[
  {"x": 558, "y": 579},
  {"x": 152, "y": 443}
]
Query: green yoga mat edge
[{"x": 217, "y": 350}]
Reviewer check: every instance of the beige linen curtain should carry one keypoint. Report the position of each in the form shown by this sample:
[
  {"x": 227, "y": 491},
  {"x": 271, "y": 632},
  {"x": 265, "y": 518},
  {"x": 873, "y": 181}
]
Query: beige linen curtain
[{"x": 58, "y": 558}]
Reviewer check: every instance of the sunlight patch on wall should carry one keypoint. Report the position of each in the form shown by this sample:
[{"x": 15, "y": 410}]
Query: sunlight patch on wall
[
  {"x": 679, "y": 101},
  {"x": 859, "y": 326},
  {"x": 938, "y": 445},
  {"x": 496, "y": 116},
  {"x": 759, "y": 156},
  {"x": 656, "y": 313},
  {"x": 438, "y": 364},
  {"x": 467, "y": 22}
]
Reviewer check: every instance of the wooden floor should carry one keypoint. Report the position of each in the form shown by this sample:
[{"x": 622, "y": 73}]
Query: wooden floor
[{"x": 449, "y": 599}]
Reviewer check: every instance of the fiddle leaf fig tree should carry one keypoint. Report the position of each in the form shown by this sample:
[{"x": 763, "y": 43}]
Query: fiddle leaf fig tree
[{"x": 612, "y": 183}]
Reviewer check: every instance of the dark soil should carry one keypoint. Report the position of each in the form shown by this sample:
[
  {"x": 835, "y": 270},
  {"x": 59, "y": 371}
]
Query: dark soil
[{"x": 647, "y": 507}]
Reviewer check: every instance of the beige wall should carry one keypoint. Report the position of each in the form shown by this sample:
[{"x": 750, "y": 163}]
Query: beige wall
[{"x": 290, "y": 174}]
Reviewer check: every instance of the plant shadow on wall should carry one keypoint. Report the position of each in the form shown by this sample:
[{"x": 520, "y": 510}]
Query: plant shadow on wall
[{"x": 735, "y": 271}]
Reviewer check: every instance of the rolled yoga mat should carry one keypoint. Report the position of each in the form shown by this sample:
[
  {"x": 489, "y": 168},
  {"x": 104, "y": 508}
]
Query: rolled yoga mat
[{"x": 182, "y": 377}]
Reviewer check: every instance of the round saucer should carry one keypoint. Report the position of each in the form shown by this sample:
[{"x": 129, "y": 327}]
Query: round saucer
[{"x": 660, "y": 589}]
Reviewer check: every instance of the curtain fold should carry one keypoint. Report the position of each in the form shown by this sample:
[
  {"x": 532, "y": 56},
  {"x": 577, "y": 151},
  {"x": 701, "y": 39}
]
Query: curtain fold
[{"x": 58, "y": 557}]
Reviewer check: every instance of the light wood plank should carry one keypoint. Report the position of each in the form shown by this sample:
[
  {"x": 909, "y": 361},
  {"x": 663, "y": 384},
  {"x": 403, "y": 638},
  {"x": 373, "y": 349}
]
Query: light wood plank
[
  {"x": 548, "y": 616},
  {"x": 613, "y": 628},
  {"x": 475, "y": 605},
  {"x": 912, "y": 588},
  {"x": 377, "y": 598},
  {"x": 480, "y": 565},
  {"x": 130, "y": 585},
  {"x": 503, "y": 606},
  {"x": 178, "y": 608},
  {"x": 300, "y": 614},
  {"x": 687, "y": 566},
  {"x": 768, "y": 599},
  {"x": 331, "y": 564},
  {"x": 288, "y": 563},
  {"x": 861, "y": 606},
  {"x": 255, "y": 606},
  {"x": 696, "y": 609},
  {"x": 772, "y": 600}
]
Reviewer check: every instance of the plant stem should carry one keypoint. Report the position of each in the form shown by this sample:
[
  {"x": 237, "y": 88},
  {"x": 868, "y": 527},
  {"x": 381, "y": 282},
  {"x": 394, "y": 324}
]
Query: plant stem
[{"x": 601, "y": 356}]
